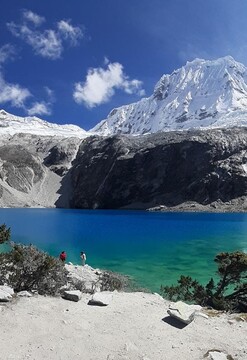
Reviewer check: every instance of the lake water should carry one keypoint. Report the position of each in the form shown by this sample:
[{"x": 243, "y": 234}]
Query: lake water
[{"x": 154, "y": 248}]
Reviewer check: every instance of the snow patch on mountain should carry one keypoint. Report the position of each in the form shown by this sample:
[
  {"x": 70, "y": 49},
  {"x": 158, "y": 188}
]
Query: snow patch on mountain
[
  {"x": 11, "y": 124},
  {"x": 202, "y": 94}
]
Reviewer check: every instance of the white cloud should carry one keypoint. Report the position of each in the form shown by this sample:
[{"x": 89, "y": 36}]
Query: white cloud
[
  {"x": 32, "y": 17},
  {"x": 50, "y": 94},
  {"x": 7, "y": 52},
  {"x": 48, "y": 43},
  {"x": 39, "y": 108},
  {"x": 69, "y": 32},
  {"x": 18, "y": 96},
  {"x": 100, "y": 85},
  {"x": 13, "y": 93}
]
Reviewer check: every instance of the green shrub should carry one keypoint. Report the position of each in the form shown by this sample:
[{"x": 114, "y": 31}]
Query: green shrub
[
  {"x": 4, "y": 234},
  {"x": 110, "y": 281},
  {"x": 27, "y": 268},
  {"x": 230, "y": 293}
]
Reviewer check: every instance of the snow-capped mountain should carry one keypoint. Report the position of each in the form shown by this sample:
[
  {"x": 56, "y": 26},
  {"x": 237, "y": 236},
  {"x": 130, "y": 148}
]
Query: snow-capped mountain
[
  {"x": 11, "y": 124},
  {"x": 202, "y": 94}
]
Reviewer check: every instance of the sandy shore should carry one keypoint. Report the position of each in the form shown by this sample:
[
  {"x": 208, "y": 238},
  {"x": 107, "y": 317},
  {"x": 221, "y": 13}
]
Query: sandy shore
[{"x": 133, "y": 326}]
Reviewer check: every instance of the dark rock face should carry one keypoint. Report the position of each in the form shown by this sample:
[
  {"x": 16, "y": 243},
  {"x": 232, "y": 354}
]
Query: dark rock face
[{"x": 161, "y": 169}]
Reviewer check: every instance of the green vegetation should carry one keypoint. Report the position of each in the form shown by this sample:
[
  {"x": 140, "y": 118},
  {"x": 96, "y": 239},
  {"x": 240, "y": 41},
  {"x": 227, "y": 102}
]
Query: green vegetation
[
  {"x": 4, "y": 234},
  {"x": 230, "y": 293},
  {"x": 27, "y": 268}
]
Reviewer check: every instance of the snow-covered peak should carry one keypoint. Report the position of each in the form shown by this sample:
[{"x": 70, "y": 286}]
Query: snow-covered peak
[
  {"x": 11, "y": 124},
  {"x": 203, "y": 93}
]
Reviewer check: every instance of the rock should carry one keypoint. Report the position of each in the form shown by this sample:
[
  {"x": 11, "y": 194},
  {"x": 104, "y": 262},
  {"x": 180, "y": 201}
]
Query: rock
[
  {"x": 217, "y": 355},
  {"x": 83, "y": 278},
  {"x": 24, "y": 294},
  {"x": 5, "y": 296},
  {"x": 7, "y": 289},
  {"x": 73, "y": 295},
  {"x": 201, "y": 314},
  {"x": 182, "y": 312},
  {"x": 101, "y": 298}
]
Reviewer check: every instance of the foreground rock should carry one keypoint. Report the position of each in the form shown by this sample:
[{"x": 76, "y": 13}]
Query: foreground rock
[
  {"x": 217, "y": 355},
  {"x": 24, "y": 293},
  {"x": 6, "y": 293},
  {"x": 72, "y": 295},
  {"x": 183, "y": 312},
  {"x": 103, "y": 298}
]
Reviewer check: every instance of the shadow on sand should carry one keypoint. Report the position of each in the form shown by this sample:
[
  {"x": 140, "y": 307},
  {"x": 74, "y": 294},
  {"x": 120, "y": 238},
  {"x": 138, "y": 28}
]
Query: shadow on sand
[{"x": 174, "y": 322}]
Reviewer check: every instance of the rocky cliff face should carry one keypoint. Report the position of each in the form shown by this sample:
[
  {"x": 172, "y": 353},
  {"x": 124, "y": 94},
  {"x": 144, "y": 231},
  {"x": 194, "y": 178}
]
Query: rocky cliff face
[{"x": 177, "y": 169}]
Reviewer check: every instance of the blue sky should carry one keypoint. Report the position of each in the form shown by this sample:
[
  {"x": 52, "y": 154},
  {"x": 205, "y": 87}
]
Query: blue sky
[{"x": 73, "y": 61}]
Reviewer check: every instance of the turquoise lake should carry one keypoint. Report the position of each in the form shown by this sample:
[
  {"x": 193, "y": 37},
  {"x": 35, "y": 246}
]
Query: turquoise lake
[{"x": 154, "y": 248}]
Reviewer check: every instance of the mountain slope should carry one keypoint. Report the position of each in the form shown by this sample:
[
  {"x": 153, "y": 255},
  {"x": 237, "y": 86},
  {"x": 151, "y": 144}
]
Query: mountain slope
[
  {"x": 200, "y": 94},
  {"x": 32, "y": 168}
]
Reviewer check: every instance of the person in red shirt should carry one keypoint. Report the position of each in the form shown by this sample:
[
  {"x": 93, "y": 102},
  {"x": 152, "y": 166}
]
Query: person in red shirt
[{"x": 63, "y": 256}]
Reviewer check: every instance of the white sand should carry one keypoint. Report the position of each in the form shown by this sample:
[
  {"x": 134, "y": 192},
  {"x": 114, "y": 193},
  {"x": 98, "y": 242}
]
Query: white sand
[{"x": 134, "y": 326}]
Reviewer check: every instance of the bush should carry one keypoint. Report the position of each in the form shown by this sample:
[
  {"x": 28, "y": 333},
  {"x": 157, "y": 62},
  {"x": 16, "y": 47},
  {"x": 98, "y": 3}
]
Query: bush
[
  {"x": 4, "y": 234},
  {"x": 27, "y": 268},
  {"x": 110, "y": 281},
  {"x": 230, "y": 293}
]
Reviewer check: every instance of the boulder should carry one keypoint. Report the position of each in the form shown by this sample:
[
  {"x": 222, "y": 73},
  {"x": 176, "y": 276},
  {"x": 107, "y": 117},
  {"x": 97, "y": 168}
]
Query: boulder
[
  {"x": 101, "y": 298},
  {"x": 7, "y": 289},
  {"x": 182, "y": 312},
  {"x": 84, "y": 276},
  {"x": 5, "y": 296},
  {"x": 72, "y": 295},
  {"x": 24, "y": 294},
  {"x": 217, "y": 355}
]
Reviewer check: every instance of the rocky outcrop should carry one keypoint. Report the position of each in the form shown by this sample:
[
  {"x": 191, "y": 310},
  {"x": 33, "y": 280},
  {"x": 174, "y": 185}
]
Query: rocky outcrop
[
  {"x": 169, "y": 169},
  {"x": 84, "y": 278}
]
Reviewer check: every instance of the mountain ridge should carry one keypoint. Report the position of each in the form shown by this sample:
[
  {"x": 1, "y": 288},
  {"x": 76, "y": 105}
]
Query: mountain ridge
[{"x": 201, "y": 94}]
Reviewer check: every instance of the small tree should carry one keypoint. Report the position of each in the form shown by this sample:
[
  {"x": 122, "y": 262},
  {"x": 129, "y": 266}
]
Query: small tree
[
  {"x": 230, "y": 293},
  {"x": 4, "y": 234},
  {"x": 27, "y": 268}
]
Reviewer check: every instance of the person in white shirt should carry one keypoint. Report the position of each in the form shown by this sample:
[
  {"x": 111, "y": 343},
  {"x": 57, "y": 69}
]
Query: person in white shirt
[{"x": 83, "y": 258}]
